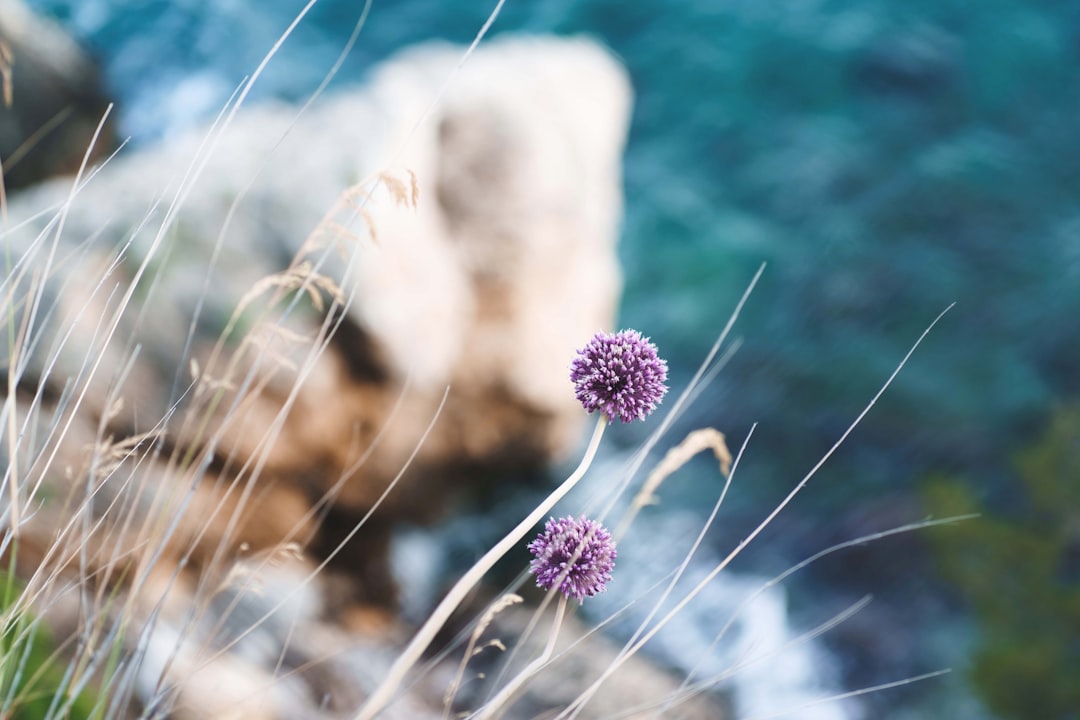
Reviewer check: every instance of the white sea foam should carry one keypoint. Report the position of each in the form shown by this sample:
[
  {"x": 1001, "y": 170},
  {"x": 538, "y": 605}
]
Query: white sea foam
[{"x": 759, "y": 659}]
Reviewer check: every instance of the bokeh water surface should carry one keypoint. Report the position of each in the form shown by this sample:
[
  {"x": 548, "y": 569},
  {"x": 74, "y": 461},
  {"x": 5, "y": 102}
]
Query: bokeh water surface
[{"x": 885, "y": 159}]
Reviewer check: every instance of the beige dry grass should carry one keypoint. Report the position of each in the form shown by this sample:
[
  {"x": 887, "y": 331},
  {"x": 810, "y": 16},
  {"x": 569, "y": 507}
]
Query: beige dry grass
[{"x": 112, "y": 528}]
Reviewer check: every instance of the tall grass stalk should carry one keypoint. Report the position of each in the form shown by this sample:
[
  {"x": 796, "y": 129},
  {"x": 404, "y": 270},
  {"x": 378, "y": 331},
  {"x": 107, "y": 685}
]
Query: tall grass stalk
[
  {"x": 498, "y": 702},
  {"x": 384, "y": 693},
  {"x": 119, "y": 552},
  {"x": 631, "y": 648}
]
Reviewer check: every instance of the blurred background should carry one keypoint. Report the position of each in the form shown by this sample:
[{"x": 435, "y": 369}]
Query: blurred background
[{"x": 885, "y": 159}]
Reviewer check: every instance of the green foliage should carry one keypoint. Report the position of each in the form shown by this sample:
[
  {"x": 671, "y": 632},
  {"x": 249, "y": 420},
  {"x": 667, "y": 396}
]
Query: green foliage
[
  {"x": 32, "y": 674},
  {"x": 1020, "y": 571}
]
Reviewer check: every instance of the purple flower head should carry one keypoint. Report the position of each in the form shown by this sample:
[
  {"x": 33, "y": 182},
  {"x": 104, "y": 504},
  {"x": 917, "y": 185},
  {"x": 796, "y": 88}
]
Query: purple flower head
[
  {"x": 620, "y": 375},
  {"x": 582, "y": 545}
]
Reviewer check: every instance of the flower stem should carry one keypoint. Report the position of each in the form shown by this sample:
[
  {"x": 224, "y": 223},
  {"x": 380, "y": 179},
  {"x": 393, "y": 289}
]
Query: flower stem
[
  {"x": 489, "y": 710},
  {"x": 412, "y": 653}
]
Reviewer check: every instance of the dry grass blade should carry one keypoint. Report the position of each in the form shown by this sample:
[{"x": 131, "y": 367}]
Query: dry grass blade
[
  {"x": 856, "y": 693},
  {"x": 244, "y": 574},
  {"x": 298, "y": 277},
  {"x": 110, "y": 454},
  {"x": 335, "y": 223},
  {"x": 472, "y": 650},
  {"x": 335, "y": 227},
  {"x": 694, "y": 443},
  {"x": 263, "y": 343},
  {"x": 7, "y": 60},
  {"x": 414, "y": 188},
  {"x": 403, "y": 194},
  {"x": 575, "y": 708}
]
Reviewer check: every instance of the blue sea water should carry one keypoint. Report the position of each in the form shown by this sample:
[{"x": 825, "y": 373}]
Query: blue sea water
[{"x": 884, "y": 159}]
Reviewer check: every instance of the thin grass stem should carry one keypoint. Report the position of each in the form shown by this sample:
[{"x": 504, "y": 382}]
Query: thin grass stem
[
  {"x": 488, "y": 711},
  {"x": 420, "y": 642}
]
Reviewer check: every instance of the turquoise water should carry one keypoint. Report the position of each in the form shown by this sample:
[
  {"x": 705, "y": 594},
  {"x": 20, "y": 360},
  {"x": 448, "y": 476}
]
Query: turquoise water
[{"x": 885, "y": 159}]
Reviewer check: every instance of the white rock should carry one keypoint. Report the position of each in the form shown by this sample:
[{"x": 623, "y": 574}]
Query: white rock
[
  {"x": 486, "y": 282},
  {"x": 506, "y": 264}
]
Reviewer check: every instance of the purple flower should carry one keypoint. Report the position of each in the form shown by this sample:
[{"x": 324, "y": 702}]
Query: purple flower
[
  {"x": 620, "y": 375},
  {"x": 579, "y": 554}
]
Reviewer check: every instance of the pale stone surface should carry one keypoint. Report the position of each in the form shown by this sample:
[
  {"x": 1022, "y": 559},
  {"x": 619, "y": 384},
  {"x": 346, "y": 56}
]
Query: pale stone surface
[
  {"x": 475, "y": 250},
  {"x": 505, "y": 264},
  {"x": 497, "y": 265},
  {"x": 294, "y": 664}
]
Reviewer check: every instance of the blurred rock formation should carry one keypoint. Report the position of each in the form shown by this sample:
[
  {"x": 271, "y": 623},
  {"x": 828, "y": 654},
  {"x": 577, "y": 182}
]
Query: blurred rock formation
[
  {"x": 230, "y": 345},
  {"x": 471, "y": 251},
  {"x": 52, "y": 99}
]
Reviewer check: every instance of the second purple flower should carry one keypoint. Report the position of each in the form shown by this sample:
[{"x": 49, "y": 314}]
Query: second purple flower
[{"x": 577, "y": 554}]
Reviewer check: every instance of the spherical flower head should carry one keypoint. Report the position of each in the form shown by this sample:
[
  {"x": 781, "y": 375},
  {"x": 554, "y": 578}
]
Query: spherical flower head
[
  {"x": 619, "y": 374},
  {"x": 578, "y": 554}
]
